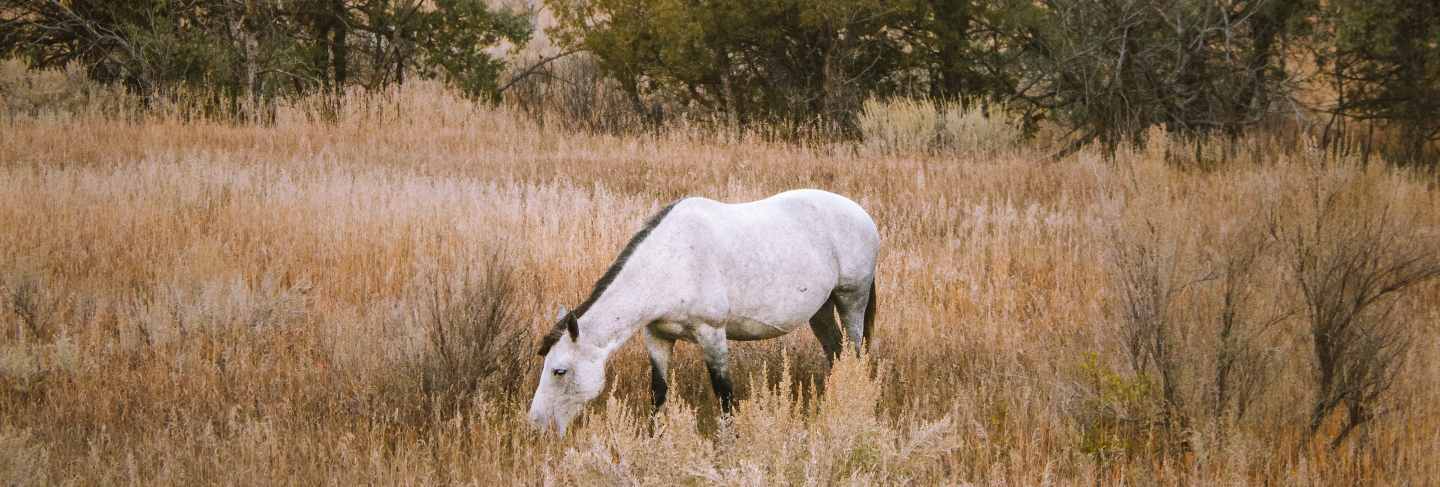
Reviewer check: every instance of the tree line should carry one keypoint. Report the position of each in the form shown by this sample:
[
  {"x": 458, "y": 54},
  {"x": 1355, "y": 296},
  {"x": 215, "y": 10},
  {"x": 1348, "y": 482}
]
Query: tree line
[
  {"x": 1108, "y": 70},
  {"x": 244, "y": 54}
]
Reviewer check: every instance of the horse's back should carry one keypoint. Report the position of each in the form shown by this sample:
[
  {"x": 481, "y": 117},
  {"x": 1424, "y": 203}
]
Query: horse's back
[
  {"x": 778, "y": 259},
  {"x": 804, "y": 220},
  {"x": 846, "y": 226}
]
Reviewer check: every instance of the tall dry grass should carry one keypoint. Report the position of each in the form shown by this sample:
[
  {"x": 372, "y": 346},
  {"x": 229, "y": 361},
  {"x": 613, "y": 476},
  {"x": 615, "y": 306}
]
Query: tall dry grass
[{"x": 191, "y": 302}]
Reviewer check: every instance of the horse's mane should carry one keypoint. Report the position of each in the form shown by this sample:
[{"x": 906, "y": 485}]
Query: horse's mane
[{"x": 569, "y": 323}]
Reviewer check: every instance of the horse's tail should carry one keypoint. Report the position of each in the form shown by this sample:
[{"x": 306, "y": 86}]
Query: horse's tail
[{"x": 870, "y": 315}]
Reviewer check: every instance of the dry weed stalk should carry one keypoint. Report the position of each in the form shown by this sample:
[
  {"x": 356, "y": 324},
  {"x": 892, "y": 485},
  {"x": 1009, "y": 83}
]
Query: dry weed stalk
[{"x": 1242, "y": 351}]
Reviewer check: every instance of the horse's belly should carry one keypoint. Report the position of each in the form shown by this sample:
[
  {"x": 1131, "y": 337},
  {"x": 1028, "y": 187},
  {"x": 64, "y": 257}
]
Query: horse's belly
[
  {"x": 746, "y": 329},
  {"x": 755, "y": 312},
  {"x": 738, "y": 329},
  {"x": 770, "y": 311}
]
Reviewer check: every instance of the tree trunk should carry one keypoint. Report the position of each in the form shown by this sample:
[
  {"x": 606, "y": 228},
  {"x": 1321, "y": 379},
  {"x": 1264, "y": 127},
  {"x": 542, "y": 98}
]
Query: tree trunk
[
  {"x": 244, "y": 94},
  {"x": 727, "y": 91},
  {"x": 951, "y": 72}
]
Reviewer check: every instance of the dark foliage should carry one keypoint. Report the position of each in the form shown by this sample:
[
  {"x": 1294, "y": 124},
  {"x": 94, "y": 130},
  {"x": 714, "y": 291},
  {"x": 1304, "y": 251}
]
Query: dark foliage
[{"x": 238, "y": 56}]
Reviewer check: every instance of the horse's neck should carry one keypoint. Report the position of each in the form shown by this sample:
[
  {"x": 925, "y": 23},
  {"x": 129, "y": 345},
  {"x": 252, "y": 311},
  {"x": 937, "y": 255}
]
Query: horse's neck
[
  {"x": 617, "y": 315},
  {"x": 637, "y": 296}
]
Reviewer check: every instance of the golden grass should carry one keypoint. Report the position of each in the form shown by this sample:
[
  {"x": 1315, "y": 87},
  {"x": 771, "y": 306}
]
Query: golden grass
[{"x": 190, "y": 302}]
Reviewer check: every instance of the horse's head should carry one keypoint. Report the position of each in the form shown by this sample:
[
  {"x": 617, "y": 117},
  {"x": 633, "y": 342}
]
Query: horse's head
[{"x": 573, "y": 374}]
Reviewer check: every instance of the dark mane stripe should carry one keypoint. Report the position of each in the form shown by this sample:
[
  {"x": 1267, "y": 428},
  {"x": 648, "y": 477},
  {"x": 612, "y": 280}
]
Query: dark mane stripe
[
  {"x": 601, "y": 285},
  {"x": 614, "y": 270}
]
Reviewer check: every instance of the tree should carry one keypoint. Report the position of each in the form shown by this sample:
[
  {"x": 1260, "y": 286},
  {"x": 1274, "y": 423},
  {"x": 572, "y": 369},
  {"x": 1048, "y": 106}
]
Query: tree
[
  {"x": 790, "y": 61},
  {"x": 455, "y": 38},
  {"x": 785, "y": 61},
  {"x": 967, "y": 48},
  {"x": 1383, "y": 62},
  {"x": 259, "y": 50},
  {"x": 124, "y": 43},
  {"x": 1111, "y": 70}
]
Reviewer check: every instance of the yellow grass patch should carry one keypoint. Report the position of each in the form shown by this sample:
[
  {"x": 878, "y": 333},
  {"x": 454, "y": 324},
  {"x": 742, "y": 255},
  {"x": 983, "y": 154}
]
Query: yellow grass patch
[{"x": 207, "y": 303}]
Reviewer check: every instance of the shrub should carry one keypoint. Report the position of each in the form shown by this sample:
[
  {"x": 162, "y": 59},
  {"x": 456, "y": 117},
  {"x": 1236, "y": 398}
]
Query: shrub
[
  {"x": 573, "y": 93},
  {"x": 26, "y": 298},
  {"x": 52, "y": 92},
  {"x": 1242, "y": 357},
  {"x": 1118, "y": 411},
  {"x": 472, "y": 341},
  {"x": 906, "y": 125},
  {"x": 1352, "y": 261},
  {"x": 1194, "y": 321}
]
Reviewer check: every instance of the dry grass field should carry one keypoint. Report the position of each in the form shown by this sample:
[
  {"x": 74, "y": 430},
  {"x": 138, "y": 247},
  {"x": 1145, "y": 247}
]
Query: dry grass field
[{"x": 358, "y": 302}]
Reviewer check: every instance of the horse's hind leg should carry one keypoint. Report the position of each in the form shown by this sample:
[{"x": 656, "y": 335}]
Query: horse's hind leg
[
  {"x": 851, "y": 304},
  {"x": 659, "y": 349},
  {"x": 717, "y": 351},
  {"x": 827, "y": 330}
]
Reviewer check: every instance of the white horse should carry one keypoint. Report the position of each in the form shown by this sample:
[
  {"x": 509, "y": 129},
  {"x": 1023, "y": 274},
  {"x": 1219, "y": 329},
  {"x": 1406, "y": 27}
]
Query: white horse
[{"x": 707, "y": 272}]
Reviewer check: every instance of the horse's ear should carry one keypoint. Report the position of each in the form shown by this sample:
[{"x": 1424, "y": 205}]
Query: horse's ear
[{"x": 570, "y": 325}]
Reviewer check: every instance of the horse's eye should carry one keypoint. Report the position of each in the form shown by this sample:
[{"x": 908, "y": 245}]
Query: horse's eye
[{"x": 560, "y": 371}]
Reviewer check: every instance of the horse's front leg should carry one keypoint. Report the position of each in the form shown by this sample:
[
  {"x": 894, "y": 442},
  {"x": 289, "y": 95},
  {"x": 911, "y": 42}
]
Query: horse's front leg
[
  {"x": 659, "y": 348},
  {"x": 712, "y": 341}
]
